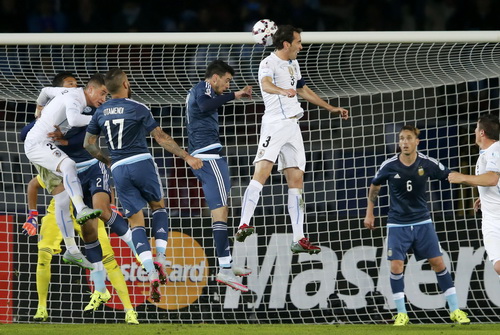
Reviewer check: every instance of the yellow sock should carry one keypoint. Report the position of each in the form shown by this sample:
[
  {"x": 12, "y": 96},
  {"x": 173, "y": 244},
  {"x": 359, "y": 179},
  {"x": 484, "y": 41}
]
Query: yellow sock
[
  {"x": 43, "y": 274},
  {"x": 117, "y": 280}
]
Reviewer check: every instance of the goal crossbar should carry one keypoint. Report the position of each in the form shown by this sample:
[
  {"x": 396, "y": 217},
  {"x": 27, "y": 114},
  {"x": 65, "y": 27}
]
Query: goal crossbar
[{"x": 246, "y": 38}]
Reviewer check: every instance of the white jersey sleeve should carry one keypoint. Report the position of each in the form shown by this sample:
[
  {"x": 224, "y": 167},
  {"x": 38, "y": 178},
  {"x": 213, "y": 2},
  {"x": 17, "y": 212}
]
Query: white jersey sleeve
[
  {"x": 489, "y": 160},
  {"x": 64, "y": 110},
  {"x": 48, "y": 93},
  {"x": 74, "y": 106},
  {"x": 284, "y": 74}
]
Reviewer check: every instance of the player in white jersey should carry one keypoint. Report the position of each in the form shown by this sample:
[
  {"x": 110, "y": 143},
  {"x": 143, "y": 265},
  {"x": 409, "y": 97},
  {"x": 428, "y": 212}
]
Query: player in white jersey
[
  {"x": 280, "y": 81},
  {"x": 65, "y": 111},
  {"x": 487, "y": 180},
  {"x": 73, "y": 254}
]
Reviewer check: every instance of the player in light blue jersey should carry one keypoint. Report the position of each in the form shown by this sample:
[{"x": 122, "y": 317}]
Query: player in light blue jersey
[
  {"x": 126, "y": 123},
  {"x": 409, "y": 223},
  {"x": 202, "y": 124}
]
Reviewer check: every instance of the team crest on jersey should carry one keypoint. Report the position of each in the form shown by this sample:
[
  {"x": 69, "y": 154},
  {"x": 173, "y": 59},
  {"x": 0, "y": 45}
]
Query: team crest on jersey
[
  {"x": 421, "y": 171},
  {"x": 57, "y": 153},
  {"x": 261, "y": 153},
  {"x": 87, "y": 110},
  {"x": 290, "y": 69}
]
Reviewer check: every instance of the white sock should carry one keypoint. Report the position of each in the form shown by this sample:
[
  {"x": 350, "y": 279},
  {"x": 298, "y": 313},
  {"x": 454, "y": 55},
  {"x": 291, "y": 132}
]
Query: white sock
[
  {"x": 225, "y": 262},
  {"x": 71, "y": 246},
  {"x": 98, "y": 276},
  {"x": 162, "y": 244},
  {"x": 63, "y": 216},
  {"x": 127, "y": 237},
  {"x": 250, "y": 201},
  {"x": 72, "y": 183},
  {"x": 296, "y": 212}
]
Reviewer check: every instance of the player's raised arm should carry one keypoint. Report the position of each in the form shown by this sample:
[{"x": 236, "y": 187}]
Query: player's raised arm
[
  {"x": 488, "y": 178},
  {"x": 60, "y": 83},
  {"x": 168, "y": 143},
  {"x": 47, "y": 94},
  {"x": 246, "y": 92},
  {"x": 308, "y": 94}
]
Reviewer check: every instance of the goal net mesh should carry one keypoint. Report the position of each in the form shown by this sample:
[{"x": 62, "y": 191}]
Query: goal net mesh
[{"x": 441, "y": 88}]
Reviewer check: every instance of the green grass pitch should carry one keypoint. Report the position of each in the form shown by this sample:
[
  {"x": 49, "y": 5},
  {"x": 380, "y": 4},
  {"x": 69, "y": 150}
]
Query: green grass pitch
[{"x": 211, "y": 329}]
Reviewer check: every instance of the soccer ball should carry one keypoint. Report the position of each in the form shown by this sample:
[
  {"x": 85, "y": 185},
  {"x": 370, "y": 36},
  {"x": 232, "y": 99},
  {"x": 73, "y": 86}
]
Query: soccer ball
[{"x": 263, "y": 31}]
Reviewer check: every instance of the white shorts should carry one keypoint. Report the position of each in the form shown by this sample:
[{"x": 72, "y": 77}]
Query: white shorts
[
  {"x": 282, "y": 140},
  {"x": 491, "y": 237},
  {"x": 44, "y": 153}
]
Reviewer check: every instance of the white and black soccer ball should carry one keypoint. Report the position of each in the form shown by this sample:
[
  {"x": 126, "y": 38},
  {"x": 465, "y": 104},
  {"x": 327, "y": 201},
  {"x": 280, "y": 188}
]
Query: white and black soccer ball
[{"x": 263, "y": 31}]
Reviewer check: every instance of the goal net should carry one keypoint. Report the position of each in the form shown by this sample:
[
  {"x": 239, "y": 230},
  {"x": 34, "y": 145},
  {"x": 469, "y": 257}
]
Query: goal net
[{"x": 440, "y": 82}]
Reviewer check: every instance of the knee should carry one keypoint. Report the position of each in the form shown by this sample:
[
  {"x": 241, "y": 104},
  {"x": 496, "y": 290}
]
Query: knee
[
  {"x": 496, "y": 266},
  {"x": 106, "y": 212},
  {"x": 109, "y": 262},
  {"x": 397, "y": 267},
  {"x": 44, "y": 259},
  {"x": 437, "y": 264},
  {"x": 67, "y": 164},
  {"x": 90, "y": 231},
  {"x": 156, "y": 206},
  {"x": 220, "y": 214}
]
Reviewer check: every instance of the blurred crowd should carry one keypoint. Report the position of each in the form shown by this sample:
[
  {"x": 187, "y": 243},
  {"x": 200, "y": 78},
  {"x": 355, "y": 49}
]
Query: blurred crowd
[{"x": 240, "y": 15}]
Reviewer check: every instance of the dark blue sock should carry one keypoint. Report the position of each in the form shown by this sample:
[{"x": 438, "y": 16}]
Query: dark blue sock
[
  {"x": 446, "y": 285},
  {"x": 398, "y": 288},
  {"x": 160, "y": 224},
  {"x": 140, "y": 240},
  {"x": 93, "y": 251},
  {"x": 221, "y": 239},
  {"x": 397, "y": 283},
  {"x": 444, "y": 280},
  {"x": 117, "y": 224}
]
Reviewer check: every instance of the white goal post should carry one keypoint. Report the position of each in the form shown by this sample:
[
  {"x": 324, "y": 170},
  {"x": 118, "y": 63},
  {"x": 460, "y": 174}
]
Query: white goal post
[
  {"x": 246, "y": 38},
  {"x": 439, "y": 81}
]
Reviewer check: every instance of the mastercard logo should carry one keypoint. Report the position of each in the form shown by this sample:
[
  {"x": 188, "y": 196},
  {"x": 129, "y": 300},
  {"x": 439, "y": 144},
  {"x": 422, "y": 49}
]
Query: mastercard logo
[{"x": 187, "y": 268}]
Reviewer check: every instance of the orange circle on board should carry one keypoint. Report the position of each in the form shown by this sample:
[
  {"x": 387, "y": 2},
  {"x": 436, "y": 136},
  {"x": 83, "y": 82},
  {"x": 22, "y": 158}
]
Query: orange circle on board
[{"x": 187, "y": 273}]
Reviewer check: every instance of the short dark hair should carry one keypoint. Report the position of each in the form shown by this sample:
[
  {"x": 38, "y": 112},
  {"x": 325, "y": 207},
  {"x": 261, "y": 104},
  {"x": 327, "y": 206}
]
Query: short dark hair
[
  {"x": 114, "y": 79},
  {"x": 218, "y": 67},
  {"x": 97, "y": 80},
  {"x": 491, "y": 126},
  {"x": 58, "y": 80},
  {"x": 284, "y": 34},
  {"x": 411, "y": 128}
]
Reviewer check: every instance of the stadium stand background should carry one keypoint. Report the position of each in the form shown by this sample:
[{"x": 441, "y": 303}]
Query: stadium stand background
[{"x": 236, "y": 15}]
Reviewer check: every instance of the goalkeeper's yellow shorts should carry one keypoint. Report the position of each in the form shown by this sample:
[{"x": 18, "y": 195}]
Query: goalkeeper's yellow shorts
[{"x": 51, "y": 237}]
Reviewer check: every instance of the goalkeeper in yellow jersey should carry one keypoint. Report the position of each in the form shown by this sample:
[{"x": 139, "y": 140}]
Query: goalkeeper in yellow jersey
[{"x": 49, "y": 243}]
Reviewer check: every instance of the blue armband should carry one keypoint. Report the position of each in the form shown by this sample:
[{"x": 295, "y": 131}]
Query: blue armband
[{"x": 301, "y": 83}]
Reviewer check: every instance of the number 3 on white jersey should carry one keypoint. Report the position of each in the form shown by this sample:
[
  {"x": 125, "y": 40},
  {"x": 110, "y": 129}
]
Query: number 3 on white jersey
[{"x": 120, "y": 123}]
